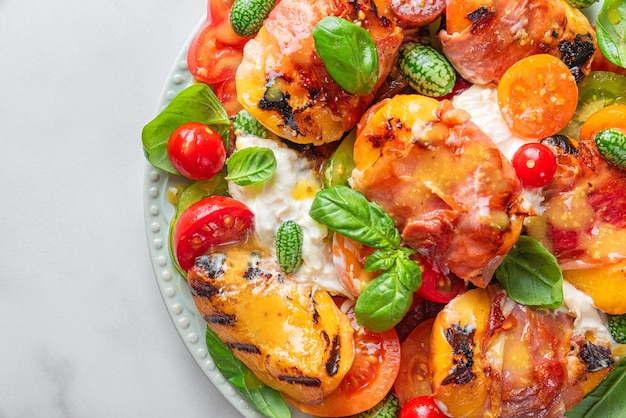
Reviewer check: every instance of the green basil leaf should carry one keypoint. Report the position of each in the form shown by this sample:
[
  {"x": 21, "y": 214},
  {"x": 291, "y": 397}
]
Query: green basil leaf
[
  {"x": 196, "y": 103},
  {"x": 267, "y": 400},
  {"x": 607, "y": 400},
  {"x": 531, "y": 275},
  {"x": 251, "y": 166},
  {"x": 381, "y": 259},
  {"x": 611, "y": 31},
  {"x": 348, "y": 212},
  {"x": 383, "y": 302},
  {"x": 349, "y": 54},
  {"x": 407, "y": 270}
]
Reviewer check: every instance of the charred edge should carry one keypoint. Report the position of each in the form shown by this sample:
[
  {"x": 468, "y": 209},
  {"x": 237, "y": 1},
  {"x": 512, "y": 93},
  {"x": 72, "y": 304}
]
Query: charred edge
[
  {"x": 390, "y": 127},
  {"x": 276, "y": 100},
  {"x": 461, "y": 340},
  {"x": 252, "y": 272},
  {"x": 480, "y": 18},
  {"x": 203, "y": 290},
  {"x": 226, "y": 320},
  {"x": 576, "y": 53},
  {"x": 211, "y": 265},
  {"x": 245, "y": 348},
  {"x": 562, "y": 143},
  {"x": 316, "y": 314},
  {"x": 310, "y": 382},
  {"x": 332, "y": 364},
  {"x": 595, "y": 357}
]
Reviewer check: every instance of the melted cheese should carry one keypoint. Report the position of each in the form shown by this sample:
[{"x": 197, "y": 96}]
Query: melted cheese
[{"x": 288, "y": 195}]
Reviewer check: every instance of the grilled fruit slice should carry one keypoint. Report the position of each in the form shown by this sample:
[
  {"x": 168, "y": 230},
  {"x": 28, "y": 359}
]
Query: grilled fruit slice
[
  {"x": 283, "y": 83},
  {"x": 482, "y": 43},
  {"x": 492, "y": 357},
  {"x": 453, "y": 195},
  {"x": 293, "y": 338}
]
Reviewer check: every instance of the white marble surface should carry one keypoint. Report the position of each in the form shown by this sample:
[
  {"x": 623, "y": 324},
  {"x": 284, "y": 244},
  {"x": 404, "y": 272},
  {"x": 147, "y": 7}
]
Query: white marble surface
[{"x": 84, "y": 331}]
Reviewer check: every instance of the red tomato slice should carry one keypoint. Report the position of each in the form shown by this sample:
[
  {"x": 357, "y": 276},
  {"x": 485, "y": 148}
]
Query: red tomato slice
[
  {"x": 412, "y": 380},
  {"x": 209, "y": 60},
  {"x": 368, "y": 381},
  {"x": 226, "y": 91},
  {"x": 438, "y": 287},
  {"x": 215, "y": 220}
]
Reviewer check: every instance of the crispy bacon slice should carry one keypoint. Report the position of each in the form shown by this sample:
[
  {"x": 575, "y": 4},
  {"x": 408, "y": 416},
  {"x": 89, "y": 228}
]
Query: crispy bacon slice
[{"x": 505, "y": 31}]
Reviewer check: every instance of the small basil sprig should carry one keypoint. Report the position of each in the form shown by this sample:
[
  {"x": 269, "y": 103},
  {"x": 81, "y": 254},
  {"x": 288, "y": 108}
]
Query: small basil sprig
[
  {"x": 611, "y": 31},
  {"x": 196, "y": 103},
  {"x": 348, "y": 53},
  {"x": 267, "y": 400},
  {"x": 531, "y": 274},
  {"x": 251, "y": 166},
  {"x": 387, "y": 298}
]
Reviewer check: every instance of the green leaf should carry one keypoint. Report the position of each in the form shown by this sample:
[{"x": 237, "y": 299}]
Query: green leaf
[
  {"x": 382, "y": 259},
  {"x": 611, "y": 31},
  {"x": 251, "y": 166},
  {"x": 531, "y": 275},
  {"x": 607, "y": 400},
  {"x": 349, "y": 54},
  {"x": 383, "y": 303},
  {"x": 267, "y": 400},
  {"x": 196, "y": 103},
  {"x": 349, "y": 213}
]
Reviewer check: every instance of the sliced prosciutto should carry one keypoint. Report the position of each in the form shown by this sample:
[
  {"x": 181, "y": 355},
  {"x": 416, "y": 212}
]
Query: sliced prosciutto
[
  {"x": 584, "y": 222},
  {"x": 493, "y": 357},
  {"x": 499, "y": 33},
  {"x": 452, "y": 194}
]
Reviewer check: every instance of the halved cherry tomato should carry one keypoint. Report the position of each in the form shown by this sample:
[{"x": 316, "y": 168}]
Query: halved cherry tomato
[
  {"x": 368, "y": 381},
  {"x": 535, "y": 164},
  {"x": 414, "y": 13},
  {"x": 412, "y": 380},
  {"x": 439, "y": 287},
  {"x": 421, "y": 407},
  {"x": 196, "y": 151},
  {"x": 537, "y": 96},
  {"x": 209, "y": 60},
  {"x": 215, "y": 220}
]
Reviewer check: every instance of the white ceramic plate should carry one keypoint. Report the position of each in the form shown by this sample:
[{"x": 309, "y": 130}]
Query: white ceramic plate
[{"x": 173, "y": 287}]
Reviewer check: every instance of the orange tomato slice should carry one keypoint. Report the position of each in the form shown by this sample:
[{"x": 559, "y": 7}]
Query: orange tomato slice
[{"x": 537, "y": 96}]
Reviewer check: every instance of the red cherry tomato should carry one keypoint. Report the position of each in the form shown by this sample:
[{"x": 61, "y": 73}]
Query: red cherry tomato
[
  {"x": 196, "y": 151},
  {"x": 534, "y": 164},
  {"x": 212, "y": 221},
  {"x": 438, "y": 287},
  {"x": 421, "y": 407}
]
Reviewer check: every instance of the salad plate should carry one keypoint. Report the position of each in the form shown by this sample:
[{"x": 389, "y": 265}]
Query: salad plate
[
  {"x": 159, "y": 211},
  {"x": 172, "y": 286}
]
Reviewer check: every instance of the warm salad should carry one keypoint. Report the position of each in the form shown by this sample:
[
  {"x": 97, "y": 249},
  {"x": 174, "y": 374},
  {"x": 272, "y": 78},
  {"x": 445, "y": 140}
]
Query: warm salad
[{"x": 411, "y": 208}]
